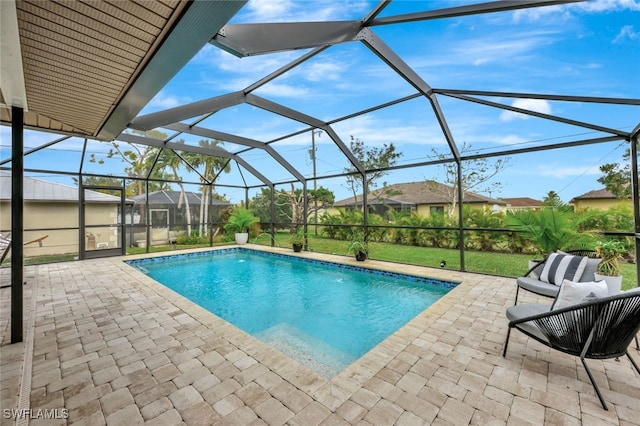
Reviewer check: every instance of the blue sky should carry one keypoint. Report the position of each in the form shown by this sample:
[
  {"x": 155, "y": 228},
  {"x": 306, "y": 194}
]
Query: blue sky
[{"x": 582, "y": 49}]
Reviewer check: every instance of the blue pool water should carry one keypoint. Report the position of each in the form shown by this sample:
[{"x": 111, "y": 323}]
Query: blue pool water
[{"x": 323, "y": 314}]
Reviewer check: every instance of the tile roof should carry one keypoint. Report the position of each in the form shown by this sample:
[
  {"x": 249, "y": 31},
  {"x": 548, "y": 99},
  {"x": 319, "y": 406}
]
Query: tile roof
[
  {"x": 424, "y": 192},
  {"x": 596, "y": 194},
  {"x": 523, "y": 202}
]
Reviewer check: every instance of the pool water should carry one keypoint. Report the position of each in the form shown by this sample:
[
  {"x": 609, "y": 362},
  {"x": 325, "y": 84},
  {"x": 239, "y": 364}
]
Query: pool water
[{"x": 322, "y": 314}]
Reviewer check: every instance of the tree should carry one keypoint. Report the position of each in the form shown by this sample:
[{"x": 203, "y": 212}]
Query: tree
[
  {"x": 138, "y": 159},
  {"x": 552, "y": 199},
  {"x": 617, "y": 177},
  {"x": 375, "y": 161},
  {"x": 211, "y": 167},
  {"x": 102, "y": 181},
  {"x": 261, "y": 205},
  {"x": 170, "y": 159},
  {"x": 317, "y": 200},
  {"x": 477, "y": 174},
  {"x": 289, "y": 205}
]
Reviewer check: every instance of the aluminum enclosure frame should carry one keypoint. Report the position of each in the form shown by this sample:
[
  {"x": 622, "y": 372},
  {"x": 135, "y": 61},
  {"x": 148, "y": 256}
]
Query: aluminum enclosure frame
[{"x": 257, "y": 39}]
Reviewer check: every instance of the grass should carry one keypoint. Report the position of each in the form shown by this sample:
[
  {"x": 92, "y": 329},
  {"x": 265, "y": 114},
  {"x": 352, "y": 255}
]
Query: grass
[{"x": 502, "y": 264}]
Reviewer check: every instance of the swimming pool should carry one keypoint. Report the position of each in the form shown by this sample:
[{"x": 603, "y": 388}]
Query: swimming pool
[{"x": 323, "y": 314}]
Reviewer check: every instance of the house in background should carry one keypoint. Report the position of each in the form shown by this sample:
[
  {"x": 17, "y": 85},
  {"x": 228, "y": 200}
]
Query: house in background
[
  {"x": 522, "y": 203},
  {"x": 426, "y": 198},
  {"x": 51, "y": 208},
  {"x": 168, "y": 213},
  {"x": 599, "y": 199}
]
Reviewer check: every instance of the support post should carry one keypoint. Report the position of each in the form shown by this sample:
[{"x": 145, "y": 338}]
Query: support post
[
  {"x": 365, "y": 207},
  {"x": 635, "y": 193},
  {"x": 460, "y": 213},
  {"x": 17, "y": 222}
]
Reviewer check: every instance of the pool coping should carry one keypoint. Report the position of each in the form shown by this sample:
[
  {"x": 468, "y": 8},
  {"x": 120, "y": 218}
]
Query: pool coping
[{"x": 330, "y": 392}]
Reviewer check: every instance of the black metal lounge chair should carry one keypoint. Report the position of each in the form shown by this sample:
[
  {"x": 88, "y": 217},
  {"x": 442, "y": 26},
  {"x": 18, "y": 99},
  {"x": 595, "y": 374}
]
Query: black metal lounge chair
[
  {"x": 599, "y": 329},
  {"x": 534, "y": 285}
]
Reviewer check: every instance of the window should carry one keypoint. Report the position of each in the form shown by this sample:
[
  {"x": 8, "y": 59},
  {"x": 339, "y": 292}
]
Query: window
[
  {"x": 436, "y": 210},
  {"x": 160, "y": 218}
]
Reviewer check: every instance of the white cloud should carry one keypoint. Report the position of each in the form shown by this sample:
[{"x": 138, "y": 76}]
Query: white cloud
[
  {"x": 564, "y": 12},
  {"x": 597, "y": 6},
  {"x": 536, "y": 14},
  {"x": 499, "y": 47},
  {"x": 627, "y": 33},
  {"x": 323, "y": 71},
  {"x": 537, "y": 105},
  {"x": 550, "y": 170},
  {"x": 282, "y": 90},
  {"x": 509, "y": 140},
  {"x": 269, "y": 10},
  {"x": 162, "y": 100},
  {"x": 290, "y": 11},
  {"x": 376, "y": 131}
]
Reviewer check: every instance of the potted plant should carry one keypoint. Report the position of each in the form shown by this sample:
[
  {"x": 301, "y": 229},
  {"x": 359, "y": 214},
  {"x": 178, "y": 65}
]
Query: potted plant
[
  {"x": 297, "y": 240},
  {"x": 239, "y": 222},
  {"x": 608, "y": 269},
  {"x": 359, "y": 248}
]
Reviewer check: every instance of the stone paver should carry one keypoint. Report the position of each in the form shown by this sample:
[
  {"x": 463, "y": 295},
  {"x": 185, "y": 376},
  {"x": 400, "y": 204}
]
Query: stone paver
[{"x": 115, "y": 348}]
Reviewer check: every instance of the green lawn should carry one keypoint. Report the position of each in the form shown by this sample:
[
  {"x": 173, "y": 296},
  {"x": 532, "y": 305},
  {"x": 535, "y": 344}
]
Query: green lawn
[{"x": 503, "y": 264}]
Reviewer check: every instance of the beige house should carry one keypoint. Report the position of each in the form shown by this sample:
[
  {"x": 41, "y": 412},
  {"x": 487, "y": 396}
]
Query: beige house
[
  {"x": 426, "y": 198},
  {"x": 600, "y": 199},
  {"x": 51, "y": 209}
]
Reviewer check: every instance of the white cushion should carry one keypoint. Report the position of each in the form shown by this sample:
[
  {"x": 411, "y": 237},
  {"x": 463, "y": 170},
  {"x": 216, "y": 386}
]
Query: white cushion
[
  {"x": 572, "y": 293},
  {"x": 561, "y": 266}
]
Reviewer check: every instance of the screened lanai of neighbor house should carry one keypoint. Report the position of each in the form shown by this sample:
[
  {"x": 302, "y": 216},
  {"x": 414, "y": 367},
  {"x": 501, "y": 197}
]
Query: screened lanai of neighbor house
[{"x": 411, "y": 126}]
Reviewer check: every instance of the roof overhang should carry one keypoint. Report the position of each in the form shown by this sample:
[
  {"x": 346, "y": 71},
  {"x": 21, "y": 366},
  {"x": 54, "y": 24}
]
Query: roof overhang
[{"x": 89, "y": 68}]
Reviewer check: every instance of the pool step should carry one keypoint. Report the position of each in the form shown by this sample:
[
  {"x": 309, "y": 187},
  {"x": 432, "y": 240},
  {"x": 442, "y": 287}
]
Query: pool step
[{"x": 306, "y": 349}]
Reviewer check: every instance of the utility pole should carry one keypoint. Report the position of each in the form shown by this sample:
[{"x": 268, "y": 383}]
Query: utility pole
[{"x": 312, "y": 154}]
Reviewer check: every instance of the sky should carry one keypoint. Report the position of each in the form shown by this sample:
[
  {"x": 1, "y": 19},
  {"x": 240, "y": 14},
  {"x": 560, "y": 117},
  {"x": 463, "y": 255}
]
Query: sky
[{"x": 579, "y": 49}]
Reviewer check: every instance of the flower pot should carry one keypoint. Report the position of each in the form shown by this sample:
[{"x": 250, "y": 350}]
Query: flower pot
[
  {"x": 614, "y": 284},
  {"x": 242, "y": 237},
  {"x": 297, "y": 247},
  {"x": 361, "y": 256}
]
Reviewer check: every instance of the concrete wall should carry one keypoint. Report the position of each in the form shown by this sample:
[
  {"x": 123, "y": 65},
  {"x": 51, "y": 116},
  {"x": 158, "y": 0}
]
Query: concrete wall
[
  {"x": 49, "y": 217},
  {"x": 599, "y": 204}
]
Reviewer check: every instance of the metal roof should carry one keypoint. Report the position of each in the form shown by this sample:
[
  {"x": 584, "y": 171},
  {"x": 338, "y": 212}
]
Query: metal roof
[
  {"x": 46, "y": 191},
  {"x": 87, "y": 68}
]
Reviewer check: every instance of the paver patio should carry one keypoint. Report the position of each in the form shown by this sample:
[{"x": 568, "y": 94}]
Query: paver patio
[{"x": 111, "y": 346}]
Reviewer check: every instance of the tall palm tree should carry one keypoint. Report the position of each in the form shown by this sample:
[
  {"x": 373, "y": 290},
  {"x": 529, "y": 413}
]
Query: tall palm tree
[
  {"x": 170, "y": 159},
  {"x": 211, "y": 166}
]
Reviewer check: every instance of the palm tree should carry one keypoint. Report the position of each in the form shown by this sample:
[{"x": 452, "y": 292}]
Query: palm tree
[
  {"x": 170, "y": 159},
  {"x": 211, "y": 167}
]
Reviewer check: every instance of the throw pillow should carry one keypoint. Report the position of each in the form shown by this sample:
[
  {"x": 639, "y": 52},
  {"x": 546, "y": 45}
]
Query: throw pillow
[
  {"x": 572, "y": 293},
  {"x": 560, "y": 267}
]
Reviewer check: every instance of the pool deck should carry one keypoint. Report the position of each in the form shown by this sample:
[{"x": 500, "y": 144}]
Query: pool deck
[{"x": 105, "y": 344}]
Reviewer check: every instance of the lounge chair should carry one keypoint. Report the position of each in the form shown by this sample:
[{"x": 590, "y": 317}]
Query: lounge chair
[
  {"x": 5, "y": 245},
  {"x": 598, "y": 329},
  {"x": 531, "y": 280}
]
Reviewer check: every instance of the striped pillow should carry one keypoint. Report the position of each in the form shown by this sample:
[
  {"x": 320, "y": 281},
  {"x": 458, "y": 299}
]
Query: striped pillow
[{"x": 560, "y": 267}]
